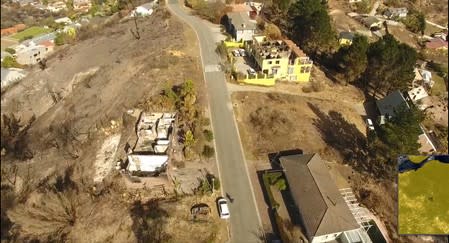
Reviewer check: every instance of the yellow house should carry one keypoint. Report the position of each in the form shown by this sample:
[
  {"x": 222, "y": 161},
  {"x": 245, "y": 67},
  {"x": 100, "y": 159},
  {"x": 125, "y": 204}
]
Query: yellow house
[
  {"x": 346, "y": 38},
  {"x": 280, "y": 59}
]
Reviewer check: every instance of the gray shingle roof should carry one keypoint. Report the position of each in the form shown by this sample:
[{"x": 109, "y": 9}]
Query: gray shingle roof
[
  {"x": 390, "y": 103},
  {"x": 241, "y": 21},
  {"x": 347, "y": 35},
  {"x": 322, "y": 208}
]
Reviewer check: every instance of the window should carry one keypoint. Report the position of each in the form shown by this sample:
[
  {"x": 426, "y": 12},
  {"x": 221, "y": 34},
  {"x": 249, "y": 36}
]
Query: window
[
  {"x": 290, "y": 70},
  {"x": 270, "y": 62},
  {"x": 277, "y": 62},
  {"x": 302, "y": 70}
]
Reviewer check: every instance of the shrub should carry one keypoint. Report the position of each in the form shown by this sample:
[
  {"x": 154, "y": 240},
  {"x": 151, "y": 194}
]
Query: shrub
[
  {"x": 272, "y": 31},
  {"x": 10, "y": 62},
  {"x": 208, "y": 151},
  {"x": 10, "y": 50},
  {"x": 208, "y": 135},
  {"x": 266, "y": 181}
]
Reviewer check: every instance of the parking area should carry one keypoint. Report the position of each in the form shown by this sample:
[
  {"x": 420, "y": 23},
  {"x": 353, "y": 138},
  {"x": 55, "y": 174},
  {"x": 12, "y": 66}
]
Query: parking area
[{"x": 243, "y": 62}]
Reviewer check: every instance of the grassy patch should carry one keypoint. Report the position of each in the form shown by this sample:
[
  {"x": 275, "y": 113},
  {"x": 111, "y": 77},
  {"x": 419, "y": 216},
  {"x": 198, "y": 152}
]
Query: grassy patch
[
  {"x": 268, "y": 180},
  {"x": 31, "y": 33},
  {"x": 438, "y": 87}
]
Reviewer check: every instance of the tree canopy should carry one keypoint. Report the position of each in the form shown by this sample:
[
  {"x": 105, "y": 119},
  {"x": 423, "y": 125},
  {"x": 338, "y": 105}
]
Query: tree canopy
[
  {"x": 390, "y": 65},
  {"x": 311, "y": 25},
  {"x": 415, "y": 22},
  {"x": 352, "y": 60}
]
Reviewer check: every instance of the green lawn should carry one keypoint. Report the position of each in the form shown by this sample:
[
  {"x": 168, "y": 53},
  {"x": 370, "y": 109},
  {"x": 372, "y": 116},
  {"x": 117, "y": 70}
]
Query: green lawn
[
  {"x": 32, "y": 31},
  {"x": 438, "y": 87}
]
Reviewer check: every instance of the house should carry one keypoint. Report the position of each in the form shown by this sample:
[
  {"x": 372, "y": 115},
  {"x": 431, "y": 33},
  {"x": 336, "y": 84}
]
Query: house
[
  {"x": 396, "y": 13},
  {"x": 281, "y": 59},
  {"x": 436, "y": 44},
  {"x": 324, "y": 214},
  {"x": 81, "y": 5},
  {"x": 11, "y": 75},
  {"x": 143, "y": 10},
  {"x": 387, "y": 108},
  {"x": 372, "y": 22},
  {"x": 56, "y": 6},
  {"x": 345, "y": 38},
  {"x": 355, "y": 1},
  {"x": 32, "y": 54},
  {"x": 239, "y": 25},
  {"x": 64, "y": 20},
  {"x": 441, "y": 35},
  {"x": 256, "y": 8}
]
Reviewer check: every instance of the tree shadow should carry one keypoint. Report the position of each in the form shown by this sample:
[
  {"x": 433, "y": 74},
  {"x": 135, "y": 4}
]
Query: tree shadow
[
  {"x": 149, "y": 221},
  {"x": 344, "y": 137}
]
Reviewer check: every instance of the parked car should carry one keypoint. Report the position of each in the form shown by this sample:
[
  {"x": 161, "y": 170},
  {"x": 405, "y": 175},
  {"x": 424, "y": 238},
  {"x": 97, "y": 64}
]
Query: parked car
[
  {"x": 369, "y": 124},
  {"x": 236, "y": 53},
  {"x": 251, "y": 71},
  {"x": 242, "y": 52},
  {"x": 223, "y": 208}
]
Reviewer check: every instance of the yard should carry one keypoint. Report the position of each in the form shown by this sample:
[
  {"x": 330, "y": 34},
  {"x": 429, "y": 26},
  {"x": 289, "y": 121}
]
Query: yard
[
  {"x": 327, "y": 123},
  {"x": 31, "y": 33}
]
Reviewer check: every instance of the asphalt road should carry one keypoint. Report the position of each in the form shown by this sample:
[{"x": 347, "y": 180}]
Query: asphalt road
[{"x": 244, "y": 221}]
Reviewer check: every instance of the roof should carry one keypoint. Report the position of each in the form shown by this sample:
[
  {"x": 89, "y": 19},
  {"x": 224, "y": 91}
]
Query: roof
[
  {"x": 47, "y": 43},
  {"x": 417, "y": 93},
  {"x": 295, "y": 48},
  {"x": 389, "y": 103},
  {"x": 371, "y": 20},
  {"x": 436, "y": 43},
  {"x": 146, "y": 163},
  {"x": 347, "y": 35},
  {"x": 42, "y": 38},
  {"x": 241, "y": 21},
  {"x": 240, "y": 7},
  {"x": 322, "y": 208}
]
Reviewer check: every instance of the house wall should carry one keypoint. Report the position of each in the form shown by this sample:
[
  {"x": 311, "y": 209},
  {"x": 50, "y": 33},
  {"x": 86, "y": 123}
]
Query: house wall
[
  {"x": 32, "y": 55},
  {"x": 276, "y": 67},
  {"x": 326, "y": 238},
  {"x": 301, "y": 69},
  {"x": 265, "y": 81},
  {"x": 245, "y": 35},
  {"x": 344, "y": 41}
]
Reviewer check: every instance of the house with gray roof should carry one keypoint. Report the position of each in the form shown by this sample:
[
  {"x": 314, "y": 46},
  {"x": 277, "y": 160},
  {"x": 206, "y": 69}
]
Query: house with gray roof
[
  {"x": 240, "y": 26},
  {"x": 323, "y": 212},
  {"x": 390, "y": 104}
]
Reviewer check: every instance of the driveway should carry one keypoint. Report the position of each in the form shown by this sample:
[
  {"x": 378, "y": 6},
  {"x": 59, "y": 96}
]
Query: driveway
[{"x": 244, "y": 221}]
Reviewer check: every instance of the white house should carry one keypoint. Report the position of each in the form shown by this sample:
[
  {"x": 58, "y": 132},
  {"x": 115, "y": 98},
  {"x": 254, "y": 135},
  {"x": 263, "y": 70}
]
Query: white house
[
  {"x": 240, "y": 26},
  {"x": 355, "y": 1},
  {"x": 64, "y": 20},
  {"x": 32, "y": 54},
  {"x": 143, "y": 10}
]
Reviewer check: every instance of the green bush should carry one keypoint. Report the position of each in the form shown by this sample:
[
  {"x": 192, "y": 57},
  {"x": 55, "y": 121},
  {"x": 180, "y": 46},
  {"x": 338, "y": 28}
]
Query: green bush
[
  {"x": 267, "y": 178},
  {"x": 208, "y": 151},
  {"x": 208, "y": 135},
  {"x": 10, "y": 62},
  {"x": 10, "y": 50},
  {"x": 60, "y": 39},
  {"x": 216, "y": 183}
]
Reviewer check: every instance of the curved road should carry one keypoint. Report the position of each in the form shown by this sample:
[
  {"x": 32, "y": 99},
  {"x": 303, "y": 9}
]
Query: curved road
[{"x": 245, "y": 222}]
